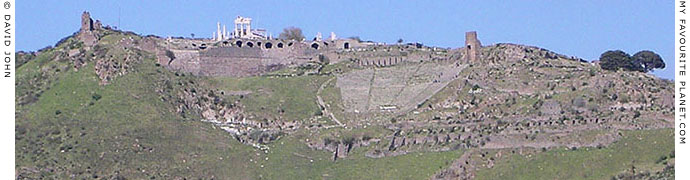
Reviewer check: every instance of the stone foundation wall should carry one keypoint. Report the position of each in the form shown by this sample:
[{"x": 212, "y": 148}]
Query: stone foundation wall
[
  {"x": 238, "y": 61},
  {"x": 185, "y": 60},
  {"x": 230, "y": 66},
  {"x": 231, "y": 52}
]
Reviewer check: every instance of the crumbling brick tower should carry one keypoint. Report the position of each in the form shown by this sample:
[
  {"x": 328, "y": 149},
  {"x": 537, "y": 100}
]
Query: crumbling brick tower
[{"x": 472, "y": 47}]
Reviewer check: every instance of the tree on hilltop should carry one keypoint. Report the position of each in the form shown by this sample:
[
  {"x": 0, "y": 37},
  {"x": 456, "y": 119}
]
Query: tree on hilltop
[
  {"x": 649, "y": 60},
  {"x": 643, "y": 61},
  {"x": 617, "y": 59},
  {"x": 292, "y": 33}
]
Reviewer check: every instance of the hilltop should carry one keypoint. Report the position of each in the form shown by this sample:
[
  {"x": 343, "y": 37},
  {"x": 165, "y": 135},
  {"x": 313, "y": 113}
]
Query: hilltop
[{"x": 105, "y": 103}]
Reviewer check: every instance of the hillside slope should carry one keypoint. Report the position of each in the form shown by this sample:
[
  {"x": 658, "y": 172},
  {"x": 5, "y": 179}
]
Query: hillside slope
[{"x": 110, "y": 110}]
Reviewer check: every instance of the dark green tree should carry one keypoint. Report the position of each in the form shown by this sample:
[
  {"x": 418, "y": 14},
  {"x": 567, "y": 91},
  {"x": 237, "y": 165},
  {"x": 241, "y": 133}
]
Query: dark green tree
[
  {"x": 617, "y": 59},
  {"x": 649, "y": 60}
]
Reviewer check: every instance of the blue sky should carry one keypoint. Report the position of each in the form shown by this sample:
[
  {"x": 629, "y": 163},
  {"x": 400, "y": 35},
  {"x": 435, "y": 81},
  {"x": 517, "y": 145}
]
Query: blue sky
[{"x": 576, "y": 28}]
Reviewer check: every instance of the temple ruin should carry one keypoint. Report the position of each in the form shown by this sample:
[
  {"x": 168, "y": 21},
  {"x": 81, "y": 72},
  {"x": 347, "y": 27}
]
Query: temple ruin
[{"x": 243, "y": 29}]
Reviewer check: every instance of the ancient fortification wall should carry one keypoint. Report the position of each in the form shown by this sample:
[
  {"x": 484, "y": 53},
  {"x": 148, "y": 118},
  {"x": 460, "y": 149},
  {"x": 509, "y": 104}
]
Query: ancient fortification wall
[
  {"x": 185, "y": 60},
  {"x": 238, "y": 61},
  {"x": 231, "y": 61},
  {"x": 248, "y": 57},
  {"x": 240, "y": 57}
]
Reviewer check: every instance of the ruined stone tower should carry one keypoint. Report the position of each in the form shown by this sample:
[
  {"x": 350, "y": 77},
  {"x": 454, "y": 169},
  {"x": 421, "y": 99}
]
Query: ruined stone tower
[
  {"x": 86, "y": 22},
  {"x": 86, "y": 32},
  {"x": 472, "y": 47}
]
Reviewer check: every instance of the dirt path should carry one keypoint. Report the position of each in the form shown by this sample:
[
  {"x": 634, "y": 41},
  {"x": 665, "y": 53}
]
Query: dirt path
[{"x": 323, "y": 105}]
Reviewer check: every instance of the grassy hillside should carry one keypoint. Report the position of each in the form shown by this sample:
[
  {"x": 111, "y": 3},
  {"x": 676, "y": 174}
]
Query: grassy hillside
[
  {"x": 70, "y": 126},
  {"x": 129, "y": 132},
  {"x": 290, "y": 98},
  {"x": 289, "y": 158},
  {"x": 110, "y": 111},
  {"x": 643, "y": 149},
  {"x": 78, "y": 128}
]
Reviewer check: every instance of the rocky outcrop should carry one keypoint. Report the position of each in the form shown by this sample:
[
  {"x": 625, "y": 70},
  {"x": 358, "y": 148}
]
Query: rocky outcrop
[
  {"x": 209, "y": 105},
  {"x": 111, "y": 62},
  {"x": 341, "y": 148},
  {"x": 506, "y": 52}
]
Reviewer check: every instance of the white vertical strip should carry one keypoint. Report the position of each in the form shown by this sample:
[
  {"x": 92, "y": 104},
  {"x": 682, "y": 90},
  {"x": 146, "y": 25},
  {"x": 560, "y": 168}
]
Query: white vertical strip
[
  {"x": 682, "y": 142},
  {"x": 7, "y": 96}
]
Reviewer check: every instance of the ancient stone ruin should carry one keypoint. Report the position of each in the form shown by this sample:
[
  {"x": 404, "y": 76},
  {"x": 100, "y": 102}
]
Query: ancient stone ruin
[
  {"x": 86, "y": 22},
  {"x": 247, "y": 51},
  {"x": 472, "y": 47},
  {"x": 412, "y": 98},
  {"x": 88, "y": 26}
]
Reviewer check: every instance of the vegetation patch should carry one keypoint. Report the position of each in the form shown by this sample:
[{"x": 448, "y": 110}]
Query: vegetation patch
[{"x": 640, "y": 149}]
